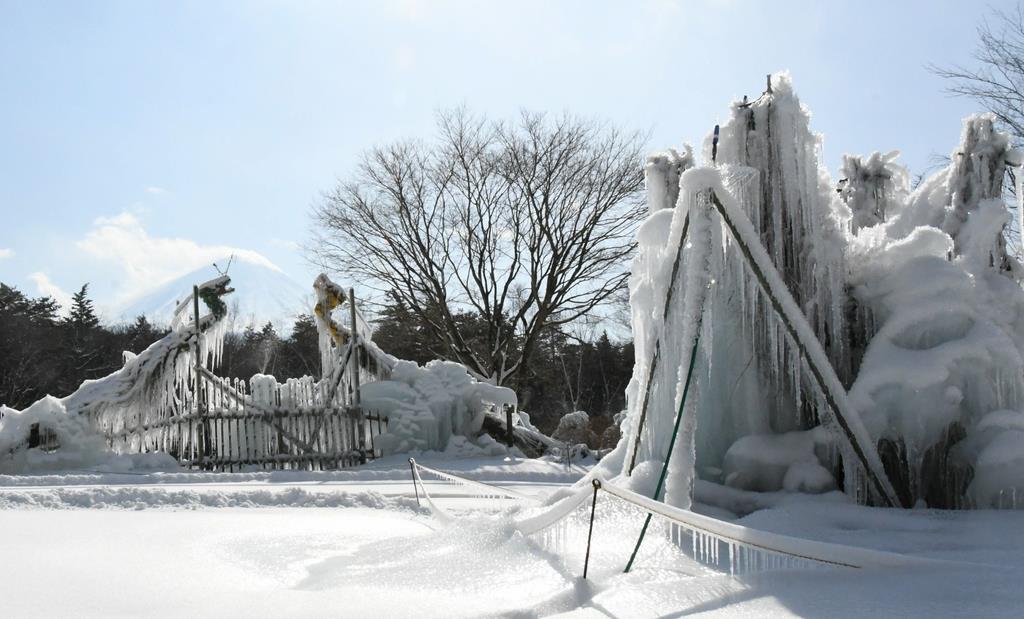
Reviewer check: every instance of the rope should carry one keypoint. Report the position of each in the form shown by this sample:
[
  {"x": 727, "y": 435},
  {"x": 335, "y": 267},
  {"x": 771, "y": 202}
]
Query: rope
[
  {"x": 443, "y": 515},
  {"x": 489, "y": 489},
  {"x": 797, "y": 548},
  {"x": 436, "y": 510}
]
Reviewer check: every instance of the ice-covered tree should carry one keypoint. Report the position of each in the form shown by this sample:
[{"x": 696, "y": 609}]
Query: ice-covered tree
[{"x": 574, "y": 428}]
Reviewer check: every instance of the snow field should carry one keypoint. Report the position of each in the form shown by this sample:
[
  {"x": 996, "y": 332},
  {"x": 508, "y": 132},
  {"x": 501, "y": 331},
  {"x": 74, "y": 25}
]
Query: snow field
[{"x": 256, "y": 548}]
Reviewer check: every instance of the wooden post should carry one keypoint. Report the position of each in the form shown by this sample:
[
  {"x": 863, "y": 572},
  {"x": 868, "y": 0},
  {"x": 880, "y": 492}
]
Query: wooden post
[
  {"x": 355, "y": 350},
  {"x": 199, "y": 362},
  {"x": 509, "y": 434}
]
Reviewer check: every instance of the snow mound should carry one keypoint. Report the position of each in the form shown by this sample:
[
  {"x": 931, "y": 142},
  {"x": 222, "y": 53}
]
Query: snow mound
[
  {"x": 428, "y": 406},
  {"x": 65, "y": 442}
]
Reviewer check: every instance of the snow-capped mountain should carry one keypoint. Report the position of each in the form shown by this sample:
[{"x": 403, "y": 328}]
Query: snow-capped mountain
[{"x": 262, "y": 294}]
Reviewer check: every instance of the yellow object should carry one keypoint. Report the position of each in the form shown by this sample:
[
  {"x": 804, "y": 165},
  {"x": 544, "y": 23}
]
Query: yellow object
[{"x": 332, "y": 297}]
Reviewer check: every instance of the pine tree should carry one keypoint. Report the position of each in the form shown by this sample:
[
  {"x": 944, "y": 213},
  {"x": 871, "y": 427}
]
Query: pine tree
[
  {"x": 86, "y": 356},
  {"x": 82, "y": 317},
  {"x": 30, "y": 347},
  {"x": 401, "y": 333},
  {"x": 141, "y": 333},
  {"x": 300, "y": 353}
]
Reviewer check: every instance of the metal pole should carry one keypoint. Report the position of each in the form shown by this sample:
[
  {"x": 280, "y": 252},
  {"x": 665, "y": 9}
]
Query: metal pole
[
  {"x": 412, "y": 469},
  {"x": 882, "y": 486},
  {"x": 672, "y": 442},
  {"x": 590, "y": 533}
]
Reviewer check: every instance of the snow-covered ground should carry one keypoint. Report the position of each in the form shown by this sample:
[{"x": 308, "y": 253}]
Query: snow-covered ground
[{"x": 354, "y": 542}]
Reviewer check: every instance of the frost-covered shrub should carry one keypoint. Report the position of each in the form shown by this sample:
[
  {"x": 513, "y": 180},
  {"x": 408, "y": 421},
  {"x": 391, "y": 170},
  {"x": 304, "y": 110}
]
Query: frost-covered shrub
[
  {"x": 613, "y": 433},
  {"x": 574, "y": 428}
]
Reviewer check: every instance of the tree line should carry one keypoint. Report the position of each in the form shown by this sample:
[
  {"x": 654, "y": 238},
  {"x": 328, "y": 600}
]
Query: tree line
[{"x": 43, "y": 353}]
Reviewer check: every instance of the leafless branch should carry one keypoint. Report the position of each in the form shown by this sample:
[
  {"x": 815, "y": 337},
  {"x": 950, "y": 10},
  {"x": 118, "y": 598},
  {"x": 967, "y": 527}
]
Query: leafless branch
[{"x": 528, "y": 224}]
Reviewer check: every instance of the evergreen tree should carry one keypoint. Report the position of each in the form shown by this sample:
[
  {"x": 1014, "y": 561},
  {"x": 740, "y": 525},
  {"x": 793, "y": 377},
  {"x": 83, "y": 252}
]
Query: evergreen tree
[
  {"x": 84, "y": 342},
  {"x": 403, "y": 334},
  {"x": 299, "y": 355},
  {"x": 30, "y": 349},
  {"x": 140, "y": 334},
  {"x": 269, "y": 343},
  {"x": 82, "y": 316}
]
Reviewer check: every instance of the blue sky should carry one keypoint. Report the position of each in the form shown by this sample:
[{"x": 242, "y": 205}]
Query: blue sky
[{"x": 139, "y": 139}]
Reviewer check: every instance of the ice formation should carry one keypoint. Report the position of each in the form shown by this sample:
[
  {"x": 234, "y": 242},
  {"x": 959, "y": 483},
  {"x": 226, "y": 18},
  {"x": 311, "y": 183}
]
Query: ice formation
[
  {"x": 146, "y": 390},
  {"x": 65, "y": 442},
  {"x": 132, "y": 410},
  {"x": 160, "y": 378},
  {"x": 429, "y": 406},
  {"x": 911, "y": 298}
]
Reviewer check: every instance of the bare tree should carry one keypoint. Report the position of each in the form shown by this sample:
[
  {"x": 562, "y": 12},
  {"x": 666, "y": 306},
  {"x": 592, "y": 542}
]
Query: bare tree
[
  {"x": 998, "y": 81},
  {"x": 527, "y": 224}
]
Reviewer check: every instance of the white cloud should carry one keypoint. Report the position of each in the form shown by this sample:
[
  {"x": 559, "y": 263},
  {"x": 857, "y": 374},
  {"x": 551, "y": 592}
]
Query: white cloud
[
  {"x": 286, "y": 244},
  {"x": 47, "y": 288},
  {"x": 148, "y": 262},
  {"x": 155, "y": 190},
  {"x": 6, "y": 252}
]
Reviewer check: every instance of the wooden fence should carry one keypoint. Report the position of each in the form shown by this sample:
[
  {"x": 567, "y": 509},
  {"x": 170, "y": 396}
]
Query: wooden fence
[
  {"x": 268, "y": 425},
  {"x": 230, "y": 424}
]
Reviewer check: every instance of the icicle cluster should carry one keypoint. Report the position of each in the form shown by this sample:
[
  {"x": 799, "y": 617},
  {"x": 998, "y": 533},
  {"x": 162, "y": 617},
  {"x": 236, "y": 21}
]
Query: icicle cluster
[
  {"x": 912, "y": 296},
  {"x": 798, "y": 220},
  {"x": 158, "y": 382}
]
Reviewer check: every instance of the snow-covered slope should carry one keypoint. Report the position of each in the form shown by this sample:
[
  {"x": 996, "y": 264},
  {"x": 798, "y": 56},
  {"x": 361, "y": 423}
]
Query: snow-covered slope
[{"x": 262, "y": 294}]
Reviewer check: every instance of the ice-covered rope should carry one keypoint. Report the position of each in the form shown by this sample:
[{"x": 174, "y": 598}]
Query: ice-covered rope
[
  {"x": 706, "y": 529},
  {"x": 489, "y": 491},
  {"x": 418, "y": 485},
  {"x": 724, "y": 545},
  {"x": 558, "y": 512}
]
